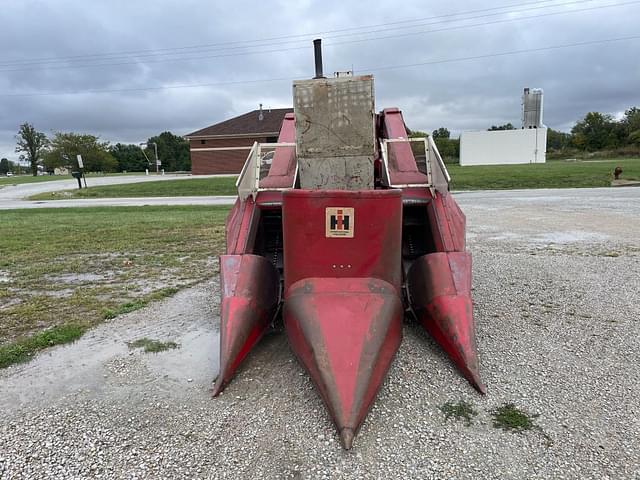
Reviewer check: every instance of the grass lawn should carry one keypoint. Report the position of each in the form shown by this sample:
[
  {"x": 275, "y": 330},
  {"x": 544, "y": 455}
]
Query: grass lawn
[
  {"x": 19, "y": 179},
  {"x": 553, "y": 174},
  {"x": 65, "y": 270},
  {"x": 165, "y": 188}
]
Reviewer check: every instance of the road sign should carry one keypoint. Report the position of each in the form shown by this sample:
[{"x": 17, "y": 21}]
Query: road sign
[{"x": 80, "y": 164}]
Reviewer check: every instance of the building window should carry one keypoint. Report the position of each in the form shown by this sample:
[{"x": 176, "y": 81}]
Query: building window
[{"x": 203, "y": 142}]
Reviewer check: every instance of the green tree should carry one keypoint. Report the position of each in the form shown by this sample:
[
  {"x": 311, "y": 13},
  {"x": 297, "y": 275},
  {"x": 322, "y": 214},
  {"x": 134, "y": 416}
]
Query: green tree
[
  {"x": 557, "y": 140},
  {"x": 416, "y": 133},
  {"x": 441, "y": 133},
  {"x": 64, "y": 148},
  {"x": 173, "y": 152},
  {"x": 4, "y": 166},
  {"x": 32, "y": 143},
  {"x": 506, "y": 126},
  {"x": 631, "y": 125},
  {"x": 129, "y": 157},
  {"x": 595, "y": 132}
]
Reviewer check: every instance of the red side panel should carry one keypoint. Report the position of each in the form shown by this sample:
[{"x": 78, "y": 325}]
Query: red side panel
[
  {"x": 447, "y": 222},
  {"x": 440, "y": 290},
  {"x": 283, "y": 165},
  {"x": 402, "y": 164},
  {"x": 345, "y": 331},
  {"x": 373, "y": 251},
  {"x": 241, "y": 225},
  {"x": 249, "y": 285}
]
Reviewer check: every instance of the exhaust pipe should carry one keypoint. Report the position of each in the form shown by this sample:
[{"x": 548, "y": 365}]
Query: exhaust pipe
[{"x": 317, "y": 51}]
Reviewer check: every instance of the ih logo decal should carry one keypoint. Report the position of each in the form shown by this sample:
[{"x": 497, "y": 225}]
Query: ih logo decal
[{"x": 339, "y": 222}]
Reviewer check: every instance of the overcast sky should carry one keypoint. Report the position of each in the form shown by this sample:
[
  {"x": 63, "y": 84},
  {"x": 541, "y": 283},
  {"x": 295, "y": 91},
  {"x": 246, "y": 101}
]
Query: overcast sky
[{"x": 79, "y": 46}]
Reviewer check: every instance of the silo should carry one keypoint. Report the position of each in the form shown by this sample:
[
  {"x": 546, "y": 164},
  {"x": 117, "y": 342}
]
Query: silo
[{"x": 532, "y": 108}]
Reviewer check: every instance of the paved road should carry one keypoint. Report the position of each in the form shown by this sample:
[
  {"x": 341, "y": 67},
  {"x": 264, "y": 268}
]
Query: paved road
[
  {"x": 613, "y": 199},
  {"x": 13, "y": 196},
  {"x": 119, "y": 202}
]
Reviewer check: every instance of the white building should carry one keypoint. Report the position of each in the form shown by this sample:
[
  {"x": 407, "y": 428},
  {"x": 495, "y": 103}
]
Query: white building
[{"x": 501, "y": 147}]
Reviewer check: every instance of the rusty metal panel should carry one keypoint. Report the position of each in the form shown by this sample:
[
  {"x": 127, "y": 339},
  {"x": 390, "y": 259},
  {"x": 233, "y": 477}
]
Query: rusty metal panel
[{"x": 335, "y": 119}]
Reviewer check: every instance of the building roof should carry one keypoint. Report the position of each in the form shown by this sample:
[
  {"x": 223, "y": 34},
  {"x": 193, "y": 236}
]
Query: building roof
[{"x": 246, "y": 124}]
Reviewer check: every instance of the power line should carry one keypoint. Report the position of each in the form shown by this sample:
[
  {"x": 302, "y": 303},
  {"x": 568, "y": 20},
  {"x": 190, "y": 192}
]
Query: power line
[
  {"x": 375, "y": 38},
  {"x": 261, "y": 40},
  {"x": 372, "y": 69},
  {"x": 493, "y": 22},
  {"x": 135, "y": 60}
]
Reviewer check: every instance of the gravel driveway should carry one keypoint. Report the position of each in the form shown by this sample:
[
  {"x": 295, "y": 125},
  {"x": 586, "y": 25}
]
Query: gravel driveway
[{"x": 557, "y": 305}]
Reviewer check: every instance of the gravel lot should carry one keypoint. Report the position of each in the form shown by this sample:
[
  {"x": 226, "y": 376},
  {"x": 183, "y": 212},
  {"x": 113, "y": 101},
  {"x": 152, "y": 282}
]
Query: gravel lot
[{"x": 557, "y": 297}]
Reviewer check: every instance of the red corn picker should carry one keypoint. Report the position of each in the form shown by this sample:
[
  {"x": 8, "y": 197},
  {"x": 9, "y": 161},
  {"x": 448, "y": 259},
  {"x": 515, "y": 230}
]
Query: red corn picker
[{"x": 340, "y": 229}]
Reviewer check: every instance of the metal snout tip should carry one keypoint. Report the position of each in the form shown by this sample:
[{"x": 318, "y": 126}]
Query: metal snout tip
[
  {"x": 474, "y": 379},
  {"x": 346, "y": 438},
  {"x": 218, "y": 386}
]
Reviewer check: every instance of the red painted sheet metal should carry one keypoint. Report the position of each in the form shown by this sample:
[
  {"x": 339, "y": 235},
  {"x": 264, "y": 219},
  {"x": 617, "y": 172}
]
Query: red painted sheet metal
[
  {"x": 283, "y": 165},
  {"x": 345, "y": 331},
  {"x": 456, "y": 220},
  {"x": 269, "y": 199},
  {"x": 439, "y": 287},
  {"x": 232, "y": 226},
  {"x": 374, "y": 250},
  {"x": 249, "y": 285},
  {"x": 403, "y": 169},
  {"x": 447, "y": 223},
  {"x": 242, "y": 223}
]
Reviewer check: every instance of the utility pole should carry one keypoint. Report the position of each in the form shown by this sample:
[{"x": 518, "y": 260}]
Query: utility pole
[{"x": 155, "y": 148}]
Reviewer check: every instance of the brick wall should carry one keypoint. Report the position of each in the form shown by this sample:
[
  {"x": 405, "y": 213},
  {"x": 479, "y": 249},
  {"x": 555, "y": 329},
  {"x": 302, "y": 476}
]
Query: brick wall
[{"x": 220, "y": 161}]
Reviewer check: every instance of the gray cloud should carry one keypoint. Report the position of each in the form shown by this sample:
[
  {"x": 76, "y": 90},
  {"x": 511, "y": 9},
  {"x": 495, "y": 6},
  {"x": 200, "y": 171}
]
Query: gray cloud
[{"x": 464, "y": 95}]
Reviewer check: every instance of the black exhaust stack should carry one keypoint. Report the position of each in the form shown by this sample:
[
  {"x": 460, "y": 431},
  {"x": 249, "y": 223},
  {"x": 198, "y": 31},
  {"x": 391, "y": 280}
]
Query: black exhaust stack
[{"x": 317, "y": 50}]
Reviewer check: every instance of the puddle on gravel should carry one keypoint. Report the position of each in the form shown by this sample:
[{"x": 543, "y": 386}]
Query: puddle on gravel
[
  {"x": 195, "y": 360},
  {"x": 86, "y": 367},
  {"x": 569, "y": 237},
  {"x": 78, "y": 277}
]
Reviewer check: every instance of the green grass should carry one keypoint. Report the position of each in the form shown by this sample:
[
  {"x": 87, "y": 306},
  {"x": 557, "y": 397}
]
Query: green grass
[
  {"x": 109, "y": 313},
  {"x": 459, "y": 411},
  {"x": 186, "y": 187},
  {"x": 553, "y": 174},
  {"x": 152, "y": 346},
  {"x": 509, "y": 417},
  {"x": 20, "y": 179},
  {"x": 80, "y": 266},
  {"x": 23, "y": 349}
]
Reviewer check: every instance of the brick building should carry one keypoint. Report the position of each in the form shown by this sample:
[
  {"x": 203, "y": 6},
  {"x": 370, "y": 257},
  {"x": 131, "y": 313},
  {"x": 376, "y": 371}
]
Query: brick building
[{"x": 224, "y": 147}]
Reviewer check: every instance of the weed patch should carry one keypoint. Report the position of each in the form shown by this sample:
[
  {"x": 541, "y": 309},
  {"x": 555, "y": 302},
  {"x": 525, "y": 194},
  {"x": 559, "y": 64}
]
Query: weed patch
[
  {"x": 509, "y": 417},
  {"x": 460, "y": 411},
  {"x": 152, "y": 346},
  {"x": 24, "y": 349},
  {"x": 109, "y": 313}
]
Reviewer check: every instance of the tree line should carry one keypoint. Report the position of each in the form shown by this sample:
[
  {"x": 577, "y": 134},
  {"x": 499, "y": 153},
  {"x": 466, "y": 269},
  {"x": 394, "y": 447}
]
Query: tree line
[
  {"x": 596, "y": 132},
  {"x": 62, "y": 149}
]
